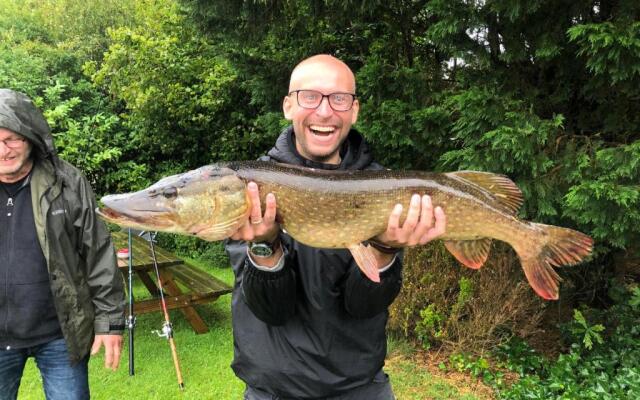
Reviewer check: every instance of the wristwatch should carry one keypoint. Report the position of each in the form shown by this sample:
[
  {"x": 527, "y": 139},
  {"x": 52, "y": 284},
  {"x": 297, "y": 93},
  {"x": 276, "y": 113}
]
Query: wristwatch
[
  {"x": 382, "y": 248},
  {"x": 264, "y": 249}
]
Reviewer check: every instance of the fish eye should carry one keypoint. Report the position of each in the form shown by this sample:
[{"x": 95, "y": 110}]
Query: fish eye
[{"x": 170, "y": 193}]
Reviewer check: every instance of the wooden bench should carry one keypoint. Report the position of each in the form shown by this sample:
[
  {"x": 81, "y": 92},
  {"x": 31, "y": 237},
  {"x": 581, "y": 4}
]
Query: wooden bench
[{"x": 184, "y": 284}]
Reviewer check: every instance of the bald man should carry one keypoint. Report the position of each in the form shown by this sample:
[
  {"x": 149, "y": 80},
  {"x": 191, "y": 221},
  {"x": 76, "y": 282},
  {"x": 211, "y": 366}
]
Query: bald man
[{"x": 307, "y": 323}]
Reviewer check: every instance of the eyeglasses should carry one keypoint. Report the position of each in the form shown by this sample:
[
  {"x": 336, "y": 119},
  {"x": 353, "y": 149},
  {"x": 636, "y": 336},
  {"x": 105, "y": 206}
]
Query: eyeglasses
[
  {"x": 312, "y": 99},
  {"x": 13, "y": 142}
]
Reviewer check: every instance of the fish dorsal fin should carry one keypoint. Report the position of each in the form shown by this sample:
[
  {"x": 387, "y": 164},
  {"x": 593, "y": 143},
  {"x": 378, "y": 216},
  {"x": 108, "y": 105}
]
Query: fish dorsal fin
[
  {"x": 366, "y": 261},
  {"x": 471, "y": 253},
  {"x": 502, "y": 188}
]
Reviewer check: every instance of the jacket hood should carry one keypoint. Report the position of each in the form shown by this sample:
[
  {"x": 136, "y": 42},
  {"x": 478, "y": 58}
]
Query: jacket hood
[
  {"x": 354, "y": 153},
  {"x": 20, "y": 115}
]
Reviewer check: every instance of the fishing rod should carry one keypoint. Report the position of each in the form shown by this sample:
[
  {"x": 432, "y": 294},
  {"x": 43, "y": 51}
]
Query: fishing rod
[
  {"x": 131, "y": 320},
  {"x": 167, "y": 328}
]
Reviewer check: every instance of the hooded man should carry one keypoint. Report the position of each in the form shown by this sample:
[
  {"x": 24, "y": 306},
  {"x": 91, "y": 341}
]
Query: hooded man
[{"x": 61, "y": 295}]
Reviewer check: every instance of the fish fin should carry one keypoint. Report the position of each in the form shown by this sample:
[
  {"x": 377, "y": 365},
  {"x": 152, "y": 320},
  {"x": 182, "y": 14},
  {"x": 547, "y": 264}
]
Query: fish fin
[
  {"x": 563, "y": 247},
  {"x": 471, "y": 253},
  {"x": 215, "y": 232},
  {"x": 366, "y": 261},
  {"x": 501, "y": 188}
]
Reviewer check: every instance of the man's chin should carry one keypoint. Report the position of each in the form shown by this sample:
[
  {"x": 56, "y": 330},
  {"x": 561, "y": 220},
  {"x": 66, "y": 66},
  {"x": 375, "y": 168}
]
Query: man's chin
[{"x": 322, "y": 155}]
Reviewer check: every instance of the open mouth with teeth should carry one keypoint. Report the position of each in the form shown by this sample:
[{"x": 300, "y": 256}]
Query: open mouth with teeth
[{"x": 320, "y": 130}]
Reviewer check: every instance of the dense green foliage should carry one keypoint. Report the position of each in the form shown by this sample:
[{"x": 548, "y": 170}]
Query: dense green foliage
[
  {"x": 597, "y": 364},
  {"x": 42, "y": 49},
  {"x": 545, "y": 92}
]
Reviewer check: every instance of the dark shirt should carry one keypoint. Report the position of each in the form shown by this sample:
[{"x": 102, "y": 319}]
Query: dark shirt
[
  {"x": 316, "y": 328},
  {"x": 27, "y": 314}
]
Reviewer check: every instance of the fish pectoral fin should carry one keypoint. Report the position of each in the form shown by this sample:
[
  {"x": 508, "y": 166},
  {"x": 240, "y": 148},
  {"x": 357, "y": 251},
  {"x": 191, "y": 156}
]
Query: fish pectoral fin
[
  {"x": 366, "y": 260},
  {"x": 471, "y": 253},
  {"x": 503, "y": 190},
  {"x": 213, "y": 233}
]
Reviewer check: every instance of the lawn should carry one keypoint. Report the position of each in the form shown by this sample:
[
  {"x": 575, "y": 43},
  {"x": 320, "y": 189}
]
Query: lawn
[{"x": 205, "y": 361}]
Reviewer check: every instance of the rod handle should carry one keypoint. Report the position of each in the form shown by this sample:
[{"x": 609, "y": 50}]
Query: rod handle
[{"x": 176, "y": 363}]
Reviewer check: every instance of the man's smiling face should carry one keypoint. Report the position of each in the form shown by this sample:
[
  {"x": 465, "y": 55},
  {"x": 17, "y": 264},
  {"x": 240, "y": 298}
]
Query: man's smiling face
[
  {"x": 15, "y": 162},
  {"x": 320, "y": 132}
]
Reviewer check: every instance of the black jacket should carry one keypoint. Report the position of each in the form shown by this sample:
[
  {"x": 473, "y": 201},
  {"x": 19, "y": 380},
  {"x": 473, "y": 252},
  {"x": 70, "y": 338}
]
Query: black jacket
[{"x": 316, "y": 328}]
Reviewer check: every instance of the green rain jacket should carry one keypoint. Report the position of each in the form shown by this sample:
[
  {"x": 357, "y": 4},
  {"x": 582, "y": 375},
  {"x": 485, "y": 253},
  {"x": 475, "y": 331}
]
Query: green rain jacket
[{"x": 87, "y": 287}]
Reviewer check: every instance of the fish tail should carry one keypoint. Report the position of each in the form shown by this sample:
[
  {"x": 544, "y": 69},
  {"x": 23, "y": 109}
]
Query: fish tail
[{"x": 558, "y": 247}]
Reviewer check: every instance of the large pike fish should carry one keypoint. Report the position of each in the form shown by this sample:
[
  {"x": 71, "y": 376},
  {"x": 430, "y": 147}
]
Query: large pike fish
[{"x": 343, "y": 209}]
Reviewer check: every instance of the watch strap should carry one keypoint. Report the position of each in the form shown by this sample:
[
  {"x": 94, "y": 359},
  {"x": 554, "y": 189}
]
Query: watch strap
[
  {"x": 383, "y": 248},
  {"x": 270, "y": 245}
]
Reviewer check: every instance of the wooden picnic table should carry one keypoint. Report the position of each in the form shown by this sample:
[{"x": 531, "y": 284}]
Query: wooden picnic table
[{"x": 175, "y": 274}]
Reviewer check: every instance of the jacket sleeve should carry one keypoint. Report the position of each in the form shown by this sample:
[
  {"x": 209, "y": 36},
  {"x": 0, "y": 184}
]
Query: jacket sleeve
[
  {"x": 271, "y": 296},
  {"x": 105, "y": 282},
  {"x": 364, "y": 298}
]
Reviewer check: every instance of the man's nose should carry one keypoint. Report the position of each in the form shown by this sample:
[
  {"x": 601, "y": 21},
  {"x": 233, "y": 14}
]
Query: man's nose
[{"x": 324, "y": 109}]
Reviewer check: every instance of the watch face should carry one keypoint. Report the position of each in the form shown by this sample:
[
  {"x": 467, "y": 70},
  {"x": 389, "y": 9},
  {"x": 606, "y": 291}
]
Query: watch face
[{"x": 261, "y": 249}]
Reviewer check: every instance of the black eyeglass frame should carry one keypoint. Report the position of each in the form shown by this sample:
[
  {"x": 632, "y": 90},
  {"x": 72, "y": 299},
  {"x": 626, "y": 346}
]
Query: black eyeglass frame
[{"x": 297, "y": 92}]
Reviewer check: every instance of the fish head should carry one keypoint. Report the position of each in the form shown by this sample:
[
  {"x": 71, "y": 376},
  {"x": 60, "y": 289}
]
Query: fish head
[{"x": 210, "y": 202}]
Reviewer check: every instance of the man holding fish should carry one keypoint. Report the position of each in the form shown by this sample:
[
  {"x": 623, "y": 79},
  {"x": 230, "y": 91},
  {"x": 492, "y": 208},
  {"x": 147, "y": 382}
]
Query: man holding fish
[
  {"x": 314, "y": 278},
  {"x": 307, "y": 322}
]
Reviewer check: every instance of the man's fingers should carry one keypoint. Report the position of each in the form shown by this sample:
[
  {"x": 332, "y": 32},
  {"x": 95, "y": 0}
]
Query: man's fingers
[
  {"x": 270, "y": 210},
  {"x": 244, "y": 233},
  {"x": 441, "y": 221},
  {"x": 108, "y": 355},
  {"x": 117, "y": 352},
  {"x": 426, "y": 214},
  {"x": 254, "y": 196},
  {"x": 426, "y": 219},
  {"x": 439, "y": 227},
  {"x": 412, "y": 215},
  {"x": 95, "y": 348},
  {"x": 394, "y": 218}
]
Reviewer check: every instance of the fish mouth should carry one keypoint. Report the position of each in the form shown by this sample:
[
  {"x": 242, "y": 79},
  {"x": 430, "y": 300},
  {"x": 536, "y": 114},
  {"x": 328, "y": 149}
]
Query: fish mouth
[{"x": 135, "y": 210}]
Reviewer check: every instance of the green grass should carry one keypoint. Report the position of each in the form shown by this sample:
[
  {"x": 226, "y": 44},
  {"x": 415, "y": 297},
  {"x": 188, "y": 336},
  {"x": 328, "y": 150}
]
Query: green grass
[
  {"x": 411, "y": 379},
  {"x": 205, "y": 361}
]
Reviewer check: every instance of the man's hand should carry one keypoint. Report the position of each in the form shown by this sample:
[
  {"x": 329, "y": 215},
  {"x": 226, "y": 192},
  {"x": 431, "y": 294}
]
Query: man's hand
[
  {"x": 422, "y": 225},
  {"x": 112, "y": 349},
  {"x": 259, "y": 227}
]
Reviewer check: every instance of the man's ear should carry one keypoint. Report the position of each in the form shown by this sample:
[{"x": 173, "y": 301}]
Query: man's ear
[
  {"x": 354, "y": 111},
  {"x": 287, "y": 107}
]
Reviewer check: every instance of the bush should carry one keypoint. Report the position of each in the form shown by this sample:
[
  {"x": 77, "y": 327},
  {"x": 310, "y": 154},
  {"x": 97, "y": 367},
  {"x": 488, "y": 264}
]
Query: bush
[
  {"x": 445, "y": 303},
  {"x": 193, "y": 247},
  {"x": 595, "y": 367}
]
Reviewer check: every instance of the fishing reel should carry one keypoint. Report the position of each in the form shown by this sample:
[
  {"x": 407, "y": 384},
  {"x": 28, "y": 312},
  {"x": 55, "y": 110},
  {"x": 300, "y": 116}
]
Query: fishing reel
[
  {"x": 166, "y": 332},
  {"x": 148, "y": 236},
  {"x": 131, "y": 322}
]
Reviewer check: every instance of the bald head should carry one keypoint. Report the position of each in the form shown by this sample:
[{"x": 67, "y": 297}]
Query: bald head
[
  {"x": 321, "y": 130},
  {"x": 322, "y": 67}
]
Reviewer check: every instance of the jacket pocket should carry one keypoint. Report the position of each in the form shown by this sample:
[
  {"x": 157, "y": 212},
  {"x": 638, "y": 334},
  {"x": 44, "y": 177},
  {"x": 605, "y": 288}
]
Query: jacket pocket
[{"x": 32, "y": 311}]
